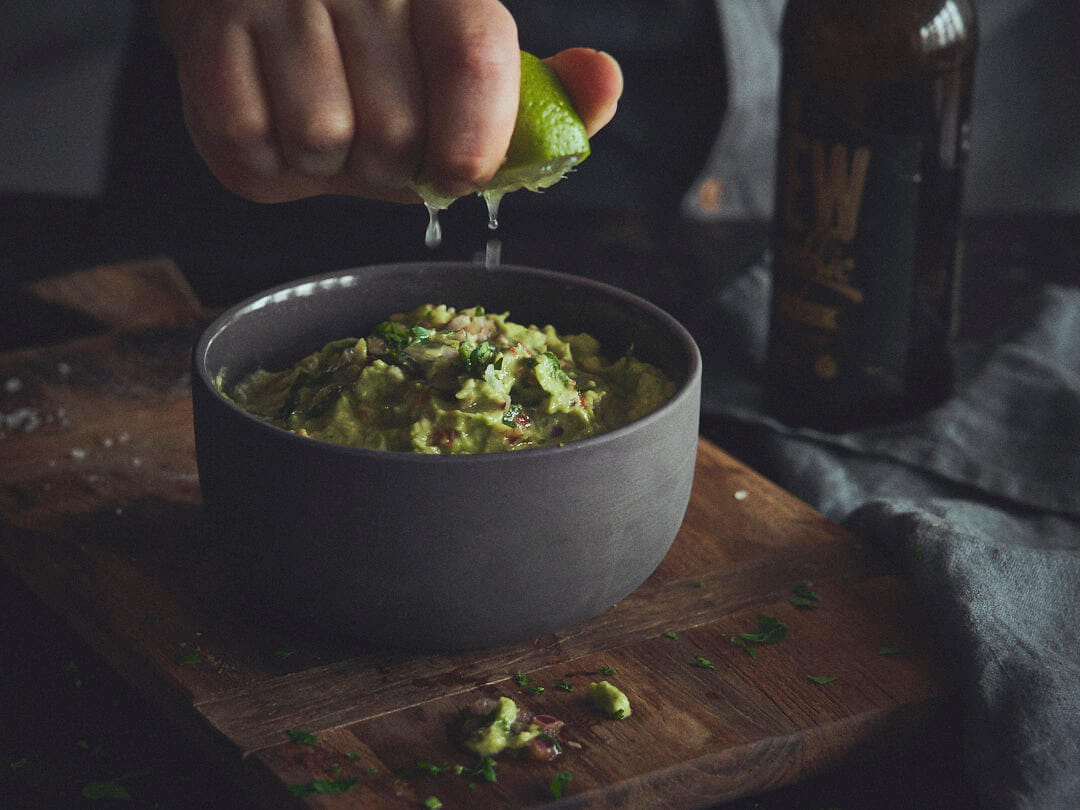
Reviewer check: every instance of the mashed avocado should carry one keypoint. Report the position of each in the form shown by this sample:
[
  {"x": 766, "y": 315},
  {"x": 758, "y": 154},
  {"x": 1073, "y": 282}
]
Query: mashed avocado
[
  {"x": 502, "y": 732},
  {"x": 609, "y": 699},
  {"x": 440, "y": 380}
]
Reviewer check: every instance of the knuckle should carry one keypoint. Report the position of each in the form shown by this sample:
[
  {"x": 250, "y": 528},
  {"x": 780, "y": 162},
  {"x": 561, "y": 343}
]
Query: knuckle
[
  {"x": 325, "y": 133},
  {"x": 468, "y": 167},
  {"x": 394, "y": 134},
  {"x": 243, "y": 129}
]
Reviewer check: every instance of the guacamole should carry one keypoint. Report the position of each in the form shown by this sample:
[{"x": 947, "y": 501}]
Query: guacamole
[
  {"x": 440, "y": 380},
  {"x": 609, "y": 699},
  {"x": 503, "y": 732}
]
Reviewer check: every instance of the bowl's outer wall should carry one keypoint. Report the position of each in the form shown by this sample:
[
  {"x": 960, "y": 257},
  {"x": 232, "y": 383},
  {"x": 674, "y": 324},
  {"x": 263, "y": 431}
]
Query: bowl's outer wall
[{"x": 442, "y": 552}]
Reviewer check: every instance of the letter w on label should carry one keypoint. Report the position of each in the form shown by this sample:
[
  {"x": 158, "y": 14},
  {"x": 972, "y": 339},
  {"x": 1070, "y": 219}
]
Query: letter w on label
[{"x": 838, "y": 187}]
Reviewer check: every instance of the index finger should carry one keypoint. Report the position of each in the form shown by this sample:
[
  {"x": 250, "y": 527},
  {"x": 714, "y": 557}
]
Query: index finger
[{"x": 468, "y": 52}]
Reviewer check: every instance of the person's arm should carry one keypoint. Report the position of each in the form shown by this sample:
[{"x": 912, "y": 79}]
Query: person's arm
[{"x": 287, "y": 99}]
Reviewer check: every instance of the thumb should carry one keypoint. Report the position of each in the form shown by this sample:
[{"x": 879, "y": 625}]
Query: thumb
[{"x": 594, "y": 82}]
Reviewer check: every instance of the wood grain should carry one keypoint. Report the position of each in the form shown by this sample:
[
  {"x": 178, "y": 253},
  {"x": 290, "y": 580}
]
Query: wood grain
[{"x": 101, "y": 516}]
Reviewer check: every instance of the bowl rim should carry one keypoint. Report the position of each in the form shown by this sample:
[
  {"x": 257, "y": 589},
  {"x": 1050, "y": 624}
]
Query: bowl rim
[{"x": 265, "y": 297}]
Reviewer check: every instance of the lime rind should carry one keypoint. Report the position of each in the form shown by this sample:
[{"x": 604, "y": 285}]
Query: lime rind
[{"x": 548, "y": 141}]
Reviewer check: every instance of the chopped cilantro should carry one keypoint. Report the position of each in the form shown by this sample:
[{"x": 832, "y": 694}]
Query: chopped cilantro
[
  {"x": 301, "y": 737},
  {"x": 432, "y": 768},
  {"x": 703, "y": 662},
  {"x": 559, "y": 783},
  {"x": 105, "y": 790},
  {"x": 335, "y": 769},
  {"x": 671, "y": 634},
  {"x": 323, "y": 786},
  {"x": 188, "y": 656},
  {"x": 606, "y": 670},
  {"x": 804, "y": 598},
  {"x": 521, "y": 679},
  {"x": 485, "y": 769},
  {"x": 699, "y": 584},
  {"x": 372, "y": 772},
  {"x": 618, "y": 714},
  {"x": 421, "y": 333},
  {"x": 476, "y": 358},
  {"x": 738, "y": 641},
  {"x": 510, "y": 415},
  {"x": 432, "y": 803},
  {"x": 478, "y": 312},
  {"x": 822, "y": 678},
  {"x": 352, "y": 755},
  {"x": 566, "y": 687},
  {"x": 534, "y": 689},
  {"x": 283, "y": 654},
  {"x": 770, "y": 630}
]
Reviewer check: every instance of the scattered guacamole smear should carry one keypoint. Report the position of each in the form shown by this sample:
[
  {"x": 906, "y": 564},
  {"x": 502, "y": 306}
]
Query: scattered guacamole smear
[
  {"x": 446, "y": 381},
  {"x": 609, "y": 699},
  {"x": 498, "y": 726},
  {"x": 502, "y": 732}
]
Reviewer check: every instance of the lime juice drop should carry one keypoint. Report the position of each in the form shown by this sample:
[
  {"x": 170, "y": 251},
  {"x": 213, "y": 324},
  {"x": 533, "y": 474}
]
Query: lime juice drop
[
  {"x": 493, "y": 252},
  {"x": 493, "y": 198},
  {"x": 433, "y": 234}
]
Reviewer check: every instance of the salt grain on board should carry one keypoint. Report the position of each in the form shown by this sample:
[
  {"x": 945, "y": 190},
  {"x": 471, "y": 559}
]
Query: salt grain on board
[{"x": 742, "y": 495}]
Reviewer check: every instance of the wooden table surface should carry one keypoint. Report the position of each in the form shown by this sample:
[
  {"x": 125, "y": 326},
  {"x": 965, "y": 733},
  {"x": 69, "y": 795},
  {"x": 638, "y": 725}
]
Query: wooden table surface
[{"x": 99, "y": 503}]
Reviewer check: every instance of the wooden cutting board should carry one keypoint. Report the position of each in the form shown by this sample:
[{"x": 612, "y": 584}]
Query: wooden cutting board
[{"x": 100, "y": 515}]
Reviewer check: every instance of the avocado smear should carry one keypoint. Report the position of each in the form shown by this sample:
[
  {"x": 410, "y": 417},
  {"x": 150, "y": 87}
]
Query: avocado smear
[
  {"x": 445, "y": 381},
  {"x": 609, "y": 699},
  {"x": 500, "y": 734}
]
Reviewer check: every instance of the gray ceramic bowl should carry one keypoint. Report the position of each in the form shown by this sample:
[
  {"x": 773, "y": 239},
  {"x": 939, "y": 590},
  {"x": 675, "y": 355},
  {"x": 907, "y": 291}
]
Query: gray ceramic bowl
[{"x": 442, "y": 552}]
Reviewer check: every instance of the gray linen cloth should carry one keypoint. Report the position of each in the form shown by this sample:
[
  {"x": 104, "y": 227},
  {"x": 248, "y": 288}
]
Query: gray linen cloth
[{"x": 978, "y": 500}]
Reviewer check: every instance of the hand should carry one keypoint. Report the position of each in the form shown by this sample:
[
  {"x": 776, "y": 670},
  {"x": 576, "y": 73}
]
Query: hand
[{"x": 287, "y": 99}]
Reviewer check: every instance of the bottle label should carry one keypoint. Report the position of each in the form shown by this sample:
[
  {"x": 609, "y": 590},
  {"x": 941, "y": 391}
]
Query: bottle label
[{"x": 846, "y": 217}]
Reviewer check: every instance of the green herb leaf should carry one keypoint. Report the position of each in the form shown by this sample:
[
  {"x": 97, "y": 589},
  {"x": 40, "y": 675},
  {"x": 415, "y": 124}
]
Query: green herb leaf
[
  {"x": 566, "y": 687},
  {"x": 703, "y": 662},
  {"x": 699, "y": 584},
  {"x": 606, "y": 670},
  {"x": 485, "y": 769},
  {"x": 671, "y": 634},
  {"x": 478, "y": 312},
  {"x": 535, "y": 689},
  {"x": 301, "y": 737},
  {"x": 283, "y": 654},
  {"x": 804, "y": 598},
  {"x": 510, "y": 415},
  {"x": 822, "y": 678},
  {"x": 323, "y": 786},
  {"x": 559, "y": 784},
  {"x": 738, "y": 641},
  {"x": 770, "y": 630},
  {"x": 421, "y": 333},
  {"x": 432, "y": 803},
  {"x": 105, "y": 790},
  {"x": 476, "y": 359},
  {"x": 432, "y": 768},
  {"x": 352, "y": 755},
  {"x": 521, "y": 679}
]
